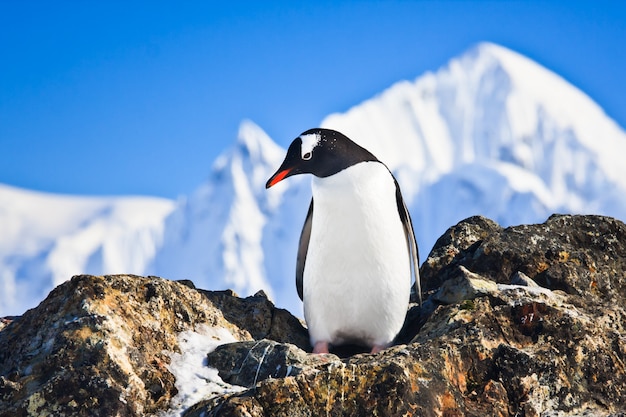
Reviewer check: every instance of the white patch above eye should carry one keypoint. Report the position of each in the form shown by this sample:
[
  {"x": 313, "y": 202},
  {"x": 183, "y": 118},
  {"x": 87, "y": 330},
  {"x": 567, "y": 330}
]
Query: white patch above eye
[{"x": 309, "y": 142}]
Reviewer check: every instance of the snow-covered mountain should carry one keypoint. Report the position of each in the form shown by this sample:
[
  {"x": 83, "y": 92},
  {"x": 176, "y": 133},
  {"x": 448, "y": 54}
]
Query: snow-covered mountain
[
  {"x": 45, "y": 239},
  {"x": 491, "y": 133}
]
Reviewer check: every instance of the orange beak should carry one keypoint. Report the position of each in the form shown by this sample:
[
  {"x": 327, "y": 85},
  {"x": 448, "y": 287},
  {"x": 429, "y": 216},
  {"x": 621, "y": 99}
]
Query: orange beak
[{"x": 278, "y": 177}]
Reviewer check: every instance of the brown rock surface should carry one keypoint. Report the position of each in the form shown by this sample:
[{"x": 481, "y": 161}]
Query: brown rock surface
[
  {"x": 581, "y": 255},
  {"x": 99, "y": 346},
  {"x": 490, "y": 340},
  {"x": 487, "y": 341}
]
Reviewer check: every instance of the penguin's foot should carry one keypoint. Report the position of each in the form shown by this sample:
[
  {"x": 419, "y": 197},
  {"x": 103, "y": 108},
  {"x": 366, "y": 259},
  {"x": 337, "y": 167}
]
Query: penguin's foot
[
  {"x": 378, "y": 348},
  {"x": 320, "y": 347}
]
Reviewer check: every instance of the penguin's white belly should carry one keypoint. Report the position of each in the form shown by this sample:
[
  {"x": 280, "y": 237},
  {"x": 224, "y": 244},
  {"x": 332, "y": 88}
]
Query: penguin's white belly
[{"x": 357, "y": 274}]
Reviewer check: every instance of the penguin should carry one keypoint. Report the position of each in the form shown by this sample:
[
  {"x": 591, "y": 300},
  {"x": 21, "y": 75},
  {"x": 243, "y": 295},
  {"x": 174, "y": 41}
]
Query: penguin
[{"x": 357, "y": 251}]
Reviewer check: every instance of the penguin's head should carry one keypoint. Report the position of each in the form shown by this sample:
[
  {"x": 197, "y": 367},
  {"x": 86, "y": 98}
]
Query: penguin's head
[{"x": 321, "y": 152}]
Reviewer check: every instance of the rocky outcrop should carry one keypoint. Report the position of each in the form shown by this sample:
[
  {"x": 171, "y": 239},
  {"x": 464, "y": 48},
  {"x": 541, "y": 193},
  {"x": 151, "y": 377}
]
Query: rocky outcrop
[
  {"x": 580, "y": 255},
  {"x": 522, "y": 321},
  {"x": 101, "y": 346}
]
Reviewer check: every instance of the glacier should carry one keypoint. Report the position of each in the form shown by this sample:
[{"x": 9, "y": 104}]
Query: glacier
[{"x": 491, "y": 133}]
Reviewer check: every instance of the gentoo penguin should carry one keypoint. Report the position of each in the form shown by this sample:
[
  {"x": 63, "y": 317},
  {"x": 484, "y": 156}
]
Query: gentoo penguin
[{"x": 357, "y": 247}]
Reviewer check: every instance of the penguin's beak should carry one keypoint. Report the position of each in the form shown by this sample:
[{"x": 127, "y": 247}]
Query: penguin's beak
[
  {"x": 280, "y": 175},
  {"x": 292, "y": 165}
]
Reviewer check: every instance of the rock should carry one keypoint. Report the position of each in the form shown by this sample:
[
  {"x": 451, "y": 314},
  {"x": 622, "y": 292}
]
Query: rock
[
  {"x": 527, "y": 320},
  {"x": 581, "y": 255},
  {"x": 452, "y": 245},
  {"x": 520, "y": 278},
  {"x": 489, "y": 340},
  {"x": 258, "y": 315},
  {"x": 246, "y": 363},
  {"x": 5, "y": 321},
  {"x": 465, "y": 285},
  {"x": 514, "y": 352},
  {"x": 101, "y": 346}
]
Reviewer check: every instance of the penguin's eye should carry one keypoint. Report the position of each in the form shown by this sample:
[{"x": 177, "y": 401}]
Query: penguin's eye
[{"x": 307, "y": 156}]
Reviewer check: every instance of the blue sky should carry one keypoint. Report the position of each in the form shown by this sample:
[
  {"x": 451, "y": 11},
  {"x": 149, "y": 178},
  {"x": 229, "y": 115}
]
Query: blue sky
[{"x": 121, "y": 98}]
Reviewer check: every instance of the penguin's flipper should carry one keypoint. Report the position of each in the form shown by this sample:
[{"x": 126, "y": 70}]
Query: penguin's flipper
[
  {"x": 303, "y": 247},
  {"x": 407, "y": 225}
]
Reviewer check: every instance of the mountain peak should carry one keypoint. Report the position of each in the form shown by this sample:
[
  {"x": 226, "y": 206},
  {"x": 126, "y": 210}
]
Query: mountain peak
[
  {"x": 532, "y": 80},
  {"x": 496, "y": 51},
  {"x": 254, "y": 155},
  {"x": 255, "y": 144},
  {"x": 529, "y": 92},
  {"x": 508, "y": 59}
]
